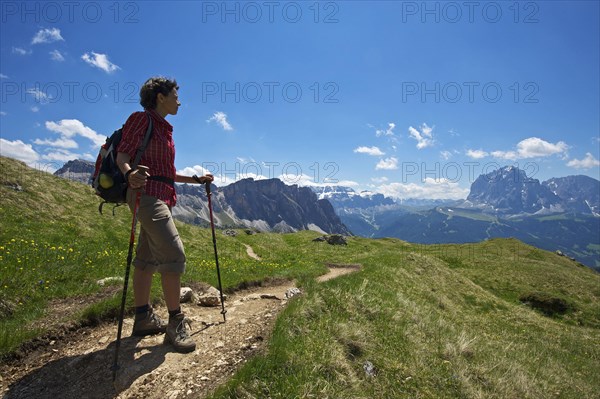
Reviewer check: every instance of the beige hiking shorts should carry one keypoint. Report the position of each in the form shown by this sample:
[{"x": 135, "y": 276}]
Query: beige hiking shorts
[{"x": 159, "y": 247}]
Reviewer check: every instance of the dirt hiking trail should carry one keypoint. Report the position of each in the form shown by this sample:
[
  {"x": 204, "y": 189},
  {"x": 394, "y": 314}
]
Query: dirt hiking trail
[{"x": 77, "y": 365}]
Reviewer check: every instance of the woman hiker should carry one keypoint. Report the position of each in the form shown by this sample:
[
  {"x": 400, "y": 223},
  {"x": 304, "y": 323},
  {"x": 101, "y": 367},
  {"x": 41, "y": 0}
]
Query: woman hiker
[{"x": 159, "y": 246}]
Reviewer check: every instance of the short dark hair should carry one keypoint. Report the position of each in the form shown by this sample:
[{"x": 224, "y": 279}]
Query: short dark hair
[{"x": 154, "y": 86}]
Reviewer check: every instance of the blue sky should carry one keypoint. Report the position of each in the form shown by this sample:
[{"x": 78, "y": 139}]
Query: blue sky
[{"x": 410, "y": 99}]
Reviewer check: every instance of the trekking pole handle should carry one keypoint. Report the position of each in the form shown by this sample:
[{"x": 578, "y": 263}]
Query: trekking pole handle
[{"x": 141, "y": 170}]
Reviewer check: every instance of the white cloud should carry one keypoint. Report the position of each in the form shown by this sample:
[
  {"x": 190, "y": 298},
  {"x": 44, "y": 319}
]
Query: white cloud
[
  {"x": 300, "y": 179},
  {"x": 21, "y": 51},
  {"x": 69, "y": 128},
  {"x": 510, "y": 155},
  {"x": 533, "y": 147},
  {"x": 60, "y": 155},
  {"x": 343, "y": 183},
  {"x": 47, "y": 36},
  {"x": 193, "y": 170},
  {"x": 221, "y": 119},
  {"x": 387, "y": 164},
  {"x": 379, "y": 180},
  {"x": 388, "y": 132},
  {"x": 424, "y": 135},
  {"x": 477, "y": 154},
  {"x": 536, "y": 147},
  {"x": 446, "y": 155},
  {"x": 55, "y": 55},
  {"x": 373, "y": 151},
  {"x": 220, "y": 179},
  {"x": 245, "y": 160},
  {"x": 35, "y": 108},
  {"x": 39, "y": 95},
  {"x": 304, "y": 180},
  {"x": 60, "y": 143},
  {"x": 586, "y": 163},
  {"x": 2, "y": 113},
  {"x": 429, "y": 189},
  {"x": 18, "y": 150},
  {"x": 89, "y": 157},
  {"x": 3, "y": 76},
  {"x": 100, "y": 61}
]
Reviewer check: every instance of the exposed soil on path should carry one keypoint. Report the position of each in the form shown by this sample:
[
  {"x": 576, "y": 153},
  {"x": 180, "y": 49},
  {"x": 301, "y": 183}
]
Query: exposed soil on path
[
  {"x": 251, "y": 252},
  {"x": 336, "y": 270},
  {"x": 78, "y": 363}
]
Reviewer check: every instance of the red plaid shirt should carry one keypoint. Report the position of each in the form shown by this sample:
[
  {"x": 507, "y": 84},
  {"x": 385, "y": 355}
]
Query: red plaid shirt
[{"x": 159, "y": 155}]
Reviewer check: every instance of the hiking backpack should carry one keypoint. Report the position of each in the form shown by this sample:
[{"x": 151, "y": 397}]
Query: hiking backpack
[{"x": 107, "y": 180}]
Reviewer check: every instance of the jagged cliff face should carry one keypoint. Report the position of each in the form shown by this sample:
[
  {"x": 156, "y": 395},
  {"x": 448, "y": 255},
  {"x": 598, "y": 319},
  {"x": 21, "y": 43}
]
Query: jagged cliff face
[
  {"x": 192, "y": 205},
  {"x": 509, "y": 190},
  {"x": 282, "y": 207},
  {"x": 580, "y": 193},
  {"x": 265, "y": 205},
  {"x": 77, "y": 170}
]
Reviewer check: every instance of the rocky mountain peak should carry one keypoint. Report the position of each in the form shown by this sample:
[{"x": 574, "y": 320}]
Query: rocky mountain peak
[
  {"x": 580, "y": 193},
  {"x": 508, "y": 190},
  {"x": 345, "y": 197},
  {"x": 264, "y": 205},
  {"x": 78, "y": 170},
  {"x": 282, "y": 207}
]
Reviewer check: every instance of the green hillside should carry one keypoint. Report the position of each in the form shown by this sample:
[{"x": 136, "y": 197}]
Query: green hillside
[
  {"x": 576, "y": 235},
  {"x": 497, "y": 319},
  {"x": 55, "y": 245}
]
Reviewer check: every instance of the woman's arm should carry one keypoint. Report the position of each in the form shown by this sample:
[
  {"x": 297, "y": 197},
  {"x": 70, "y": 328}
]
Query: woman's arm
[
  {"x": 194, "y": 179},
  {"x": 134, "y": 178}
]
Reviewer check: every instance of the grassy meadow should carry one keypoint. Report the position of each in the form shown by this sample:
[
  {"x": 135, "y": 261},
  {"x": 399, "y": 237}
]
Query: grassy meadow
[{"x": 426, "y": 321}]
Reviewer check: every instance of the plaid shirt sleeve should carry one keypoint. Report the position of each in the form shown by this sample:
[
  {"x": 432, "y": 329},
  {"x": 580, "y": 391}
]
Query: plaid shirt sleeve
[{"x": 134, "y": 131}]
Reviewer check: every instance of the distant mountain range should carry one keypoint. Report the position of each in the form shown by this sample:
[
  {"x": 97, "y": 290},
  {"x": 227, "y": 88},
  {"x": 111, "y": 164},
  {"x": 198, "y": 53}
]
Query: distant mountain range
[
  {"x": 508, "y": 191},
  {"x": 504, "y": 192},
  {"x": 346, "y": 197},
  {"x": 263, "y": 205},
  {"x": 558, "y": 214}
]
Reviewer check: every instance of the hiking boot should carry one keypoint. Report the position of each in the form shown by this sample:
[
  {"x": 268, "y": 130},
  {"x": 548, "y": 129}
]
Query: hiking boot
[
  {"x": 148, "y": 323},
  {"x": 177, "y": 334}
]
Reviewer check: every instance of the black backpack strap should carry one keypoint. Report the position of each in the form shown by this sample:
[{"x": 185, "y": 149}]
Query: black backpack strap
[{"x": 147, "y": 137}]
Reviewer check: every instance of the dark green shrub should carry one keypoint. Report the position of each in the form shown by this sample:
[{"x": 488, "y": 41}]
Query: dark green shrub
[{"x": 546, "y": 303}]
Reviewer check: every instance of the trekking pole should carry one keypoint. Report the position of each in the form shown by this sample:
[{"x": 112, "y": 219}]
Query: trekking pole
[
  {"x": 214, "y": 238},
  {"x": 115, "y": 365}
]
